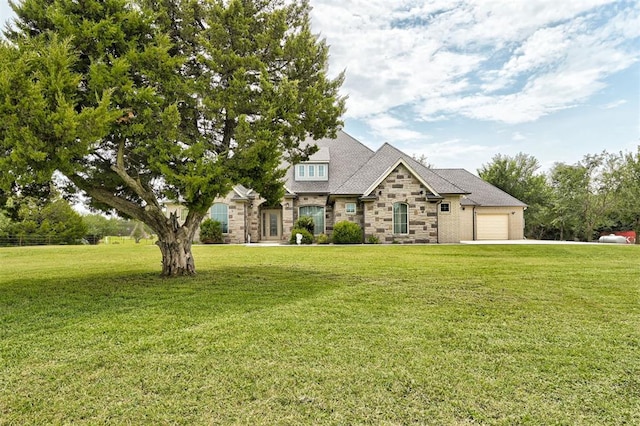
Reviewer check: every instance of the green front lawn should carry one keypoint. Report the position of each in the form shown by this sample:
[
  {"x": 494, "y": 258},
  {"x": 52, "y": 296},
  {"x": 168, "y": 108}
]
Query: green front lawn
[{"x": 321, "y": 335}]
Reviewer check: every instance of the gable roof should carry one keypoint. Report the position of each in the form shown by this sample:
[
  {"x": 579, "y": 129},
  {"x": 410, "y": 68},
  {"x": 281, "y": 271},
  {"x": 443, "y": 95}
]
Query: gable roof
[
  {"x": 481, "y": 193},
  {"x": 380, "y": 165},
  {"x": 390, "y": 170},
  {"x": 355, "y": 169}
]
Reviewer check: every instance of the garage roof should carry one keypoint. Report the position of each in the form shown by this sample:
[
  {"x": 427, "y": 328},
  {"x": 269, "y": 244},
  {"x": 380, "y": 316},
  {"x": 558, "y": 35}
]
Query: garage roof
[{"x": 481, "y": 193}]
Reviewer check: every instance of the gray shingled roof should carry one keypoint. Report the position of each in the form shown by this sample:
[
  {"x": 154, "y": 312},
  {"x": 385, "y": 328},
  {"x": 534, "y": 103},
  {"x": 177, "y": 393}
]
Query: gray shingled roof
[
  {"x": 240, "y": 192},
  {"x": 354, "y": 168},
  {"x": 385, "y": 158},
  {"x": 481, "y": 193},
  {"x": 347, "y": 157},
  {"x": 322, "y": 156}
]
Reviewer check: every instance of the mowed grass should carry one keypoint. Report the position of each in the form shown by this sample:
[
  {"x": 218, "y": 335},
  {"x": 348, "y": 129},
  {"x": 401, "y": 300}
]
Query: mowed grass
[{"x": 321, "y": 335}]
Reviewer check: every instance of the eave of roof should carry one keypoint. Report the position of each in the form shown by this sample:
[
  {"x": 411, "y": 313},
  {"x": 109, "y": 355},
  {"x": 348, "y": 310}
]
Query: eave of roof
[{"x": 481, "y": 193}]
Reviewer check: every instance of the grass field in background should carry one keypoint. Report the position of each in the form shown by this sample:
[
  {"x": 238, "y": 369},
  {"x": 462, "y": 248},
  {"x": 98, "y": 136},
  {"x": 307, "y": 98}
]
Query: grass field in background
[{"x": 449, "y": 334}]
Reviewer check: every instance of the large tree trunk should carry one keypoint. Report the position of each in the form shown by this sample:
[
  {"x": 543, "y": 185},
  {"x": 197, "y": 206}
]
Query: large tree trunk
[
  {"x": 175, "y": 244},
  {"x": 174, "y": 239},
  {"x": 177, "y": 259}
]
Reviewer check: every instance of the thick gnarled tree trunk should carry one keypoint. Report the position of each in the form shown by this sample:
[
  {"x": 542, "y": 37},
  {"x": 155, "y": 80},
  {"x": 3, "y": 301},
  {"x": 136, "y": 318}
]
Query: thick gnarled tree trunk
[
  {"x": 177, "y": 259},
  {"x": 174, "y": 239},
  {"x": 175, "y": 242}
]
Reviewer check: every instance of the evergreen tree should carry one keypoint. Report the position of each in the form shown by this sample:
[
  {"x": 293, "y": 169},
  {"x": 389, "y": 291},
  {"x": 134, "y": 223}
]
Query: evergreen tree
[{"x": 139, "y": 101}]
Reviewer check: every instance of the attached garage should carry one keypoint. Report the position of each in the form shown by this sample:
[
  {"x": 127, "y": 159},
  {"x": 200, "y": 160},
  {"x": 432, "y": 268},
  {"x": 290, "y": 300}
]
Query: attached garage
[{"x": 492, "y": 227}]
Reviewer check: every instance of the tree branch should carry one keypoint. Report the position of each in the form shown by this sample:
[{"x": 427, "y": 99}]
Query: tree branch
[
  {"x": 135, "y": 184},
  {"x": 152, "y": 217}
]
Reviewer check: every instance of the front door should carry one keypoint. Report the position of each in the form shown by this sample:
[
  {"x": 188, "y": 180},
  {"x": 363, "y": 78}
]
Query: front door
[{"x": 271, "y": 224}]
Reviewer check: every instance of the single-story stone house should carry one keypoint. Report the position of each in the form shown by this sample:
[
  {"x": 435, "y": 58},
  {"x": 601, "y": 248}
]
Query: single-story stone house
[{"x": 389, "y": 194}]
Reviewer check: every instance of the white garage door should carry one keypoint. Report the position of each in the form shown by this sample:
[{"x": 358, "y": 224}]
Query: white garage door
[{"x": 493, "y": 227}]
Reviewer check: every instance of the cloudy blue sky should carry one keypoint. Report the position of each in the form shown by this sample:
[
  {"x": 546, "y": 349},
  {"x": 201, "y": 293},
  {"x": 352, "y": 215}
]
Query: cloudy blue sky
[{"x": 462, "y": 80}]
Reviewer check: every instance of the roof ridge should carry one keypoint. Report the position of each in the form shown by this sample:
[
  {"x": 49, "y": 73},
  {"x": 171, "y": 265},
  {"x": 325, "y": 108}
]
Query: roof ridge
[
  {"x": 428, "y": 169},
  {"x": 457, "y": 186},
  {"x": 373, "y": 154},
  {"x": 365, "y": 164},
  {"x": 356, "y": 140}
]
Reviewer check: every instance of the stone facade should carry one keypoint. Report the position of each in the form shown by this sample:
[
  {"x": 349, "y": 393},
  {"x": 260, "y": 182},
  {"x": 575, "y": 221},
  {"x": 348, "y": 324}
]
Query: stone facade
[
  {"x": 314, "y": 200},
  {"x": 429, "y": 219},
  {"x": 289, "y": 214},
  {"x": 401, "y": 187},
  {"x": 340, "y": 210}
]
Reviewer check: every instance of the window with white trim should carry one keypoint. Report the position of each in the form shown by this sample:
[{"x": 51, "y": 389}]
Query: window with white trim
[
  {"x": 220, "y": 213},
  {"x": 312, "y": 172},
  {"x": 400, "y": 218},
  {"x": 350, "y": 208},
  {"x": 317, "y": 214}
]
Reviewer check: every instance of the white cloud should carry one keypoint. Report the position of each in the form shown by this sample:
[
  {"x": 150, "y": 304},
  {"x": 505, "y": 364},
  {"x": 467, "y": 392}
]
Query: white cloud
[
  {"x": 498, "y": 60},
  {"x": 614, "y": 104},
  {"x": 455, "y": 153},
  {"x": 517, "y": 136},
  {"x": 393, "y": 130}
]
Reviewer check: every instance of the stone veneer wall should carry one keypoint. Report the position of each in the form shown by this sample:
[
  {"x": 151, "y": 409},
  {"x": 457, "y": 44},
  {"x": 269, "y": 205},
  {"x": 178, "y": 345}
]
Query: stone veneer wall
[
  {"x": 253, "y": 219},
  {"x": 401, "y": 186},
  {"x": 340, "y": 211},
  {"x": 236, "y": 234},
  {"x": 288, "y": 213}
]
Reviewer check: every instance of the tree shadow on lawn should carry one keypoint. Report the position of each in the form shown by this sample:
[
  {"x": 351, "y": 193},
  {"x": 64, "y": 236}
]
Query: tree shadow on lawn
[{"x": 54, "y": 303}]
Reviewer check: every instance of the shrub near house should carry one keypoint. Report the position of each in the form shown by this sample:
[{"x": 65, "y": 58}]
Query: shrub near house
[
  {"x": 211, "y": 232},
  {"x": 346, "y": 232}
]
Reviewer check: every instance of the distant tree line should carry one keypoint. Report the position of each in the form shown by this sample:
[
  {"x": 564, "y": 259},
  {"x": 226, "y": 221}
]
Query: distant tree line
[
  {"x": 33, "y": 221},
  {"x": 598, "y": 194}
]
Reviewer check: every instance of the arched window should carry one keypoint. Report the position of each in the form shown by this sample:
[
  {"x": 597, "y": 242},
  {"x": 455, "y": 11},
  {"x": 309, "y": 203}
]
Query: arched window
[
  {"x": 220, "y": 212},
  {"x": 317, "y": 213},
  {"x": 400, "y": 218}
]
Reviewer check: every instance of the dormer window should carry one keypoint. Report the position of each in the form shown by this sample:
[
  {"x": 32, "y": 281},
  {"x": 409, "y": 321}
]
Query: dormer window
[
  {"x": 316, "y": 168},
  {"x": 312, "y": 172}
]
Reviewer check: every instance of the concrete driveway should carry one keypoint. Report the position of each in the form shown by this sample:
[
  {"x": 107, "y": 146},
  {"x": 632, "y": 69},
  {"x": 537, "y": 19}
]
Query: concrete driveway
[{"x": 525, "y": 242}]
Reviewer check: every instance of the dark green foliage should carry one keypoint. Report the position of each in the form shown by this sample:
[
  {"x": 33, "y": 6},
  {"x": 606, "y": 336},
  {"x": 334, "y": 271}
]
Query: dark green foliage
[
  {"x": 305, "y": 222},
  {"x": 98, "y": 227},
  {"x": 211, "y": 232},
  {"x": 373, "y": 239},
  {"x": 346, "y": 232},
  {"x": 307, "y": 237},
  {"x": 323, "y": 239},
  {"x": 135, "y": 102},
  {"x": 29, "y": 194}
]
